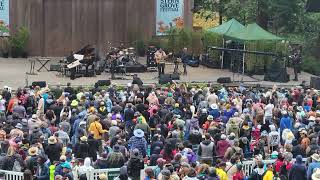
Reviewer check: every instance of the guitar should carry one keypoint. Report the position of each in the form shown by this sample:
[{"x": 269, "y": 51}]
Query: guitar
[{"x": 160, "y": 60}]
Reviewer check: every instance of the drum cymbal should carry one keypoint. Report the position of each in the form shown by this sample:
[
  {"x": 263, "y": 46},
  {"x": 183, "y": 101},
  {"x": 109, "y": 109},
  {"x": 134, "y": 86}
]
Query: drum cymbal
[{"x": 131, "y": 48}]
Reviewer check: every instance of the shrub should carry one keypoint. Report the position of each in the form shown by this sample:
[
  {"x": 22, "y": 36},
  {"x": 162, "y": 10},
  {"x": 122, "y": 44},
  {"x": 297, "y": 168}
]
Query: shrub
[{"x": 18, "y": 42}]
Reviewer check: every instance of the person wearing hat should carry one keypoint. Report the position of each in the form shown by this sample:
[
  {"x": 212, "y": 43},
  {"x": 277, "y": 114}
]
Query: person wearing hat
[
  {"x": 135, "y": 164},
  {"x": 31, "y": 160},
  {"x": 67, "y": 171},
  {"x": 207, "y": 124},
  {"x": 143, "y": 126},
  {"x": 103, "y": 176},
  {"x": 17, "y": 131},
  {"x": 102, "y": 110},
  {"x": 53, "y": 150},
  {"x": 315, "y": 164},
  {"x": 82, "y": 148},
  {"x": 214, "y": 111},
  {"x": 222, "y": 145},
  {"x": 305, "y": 141},
  {"x": 233, "y": 127},
  {"x": 138, "y": 142}
]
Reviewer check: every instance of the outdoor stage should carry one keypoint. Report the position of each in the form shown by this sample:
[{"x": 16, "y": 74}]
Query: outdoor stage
[{"x": 13, "y": 74}]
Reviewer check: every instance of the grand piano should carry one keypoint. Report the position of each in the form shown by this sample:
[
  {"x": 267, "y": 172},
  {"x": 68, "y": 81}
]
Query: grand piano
[{"x": 85, "y": 57}]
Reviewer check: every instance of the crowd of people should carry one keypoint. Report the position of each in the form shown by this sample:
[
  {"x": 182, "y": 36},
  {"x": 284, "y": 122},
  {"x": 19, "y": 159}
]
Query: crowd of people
[{"x": 169, "y": 133}]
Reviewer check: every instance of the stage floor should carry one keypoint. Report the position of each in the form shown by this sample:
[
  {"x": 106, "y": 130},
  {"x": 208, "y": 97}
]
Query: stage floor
[{"x": 13, "y": 74}]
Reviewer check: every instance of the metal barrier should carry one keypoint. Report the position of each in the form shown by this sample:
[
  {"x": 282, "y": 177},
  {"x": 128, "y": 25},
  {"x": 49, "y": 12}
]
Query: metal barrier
[
  {"x": 111, "y": 173},
  {"x": 11, "y": 175}
]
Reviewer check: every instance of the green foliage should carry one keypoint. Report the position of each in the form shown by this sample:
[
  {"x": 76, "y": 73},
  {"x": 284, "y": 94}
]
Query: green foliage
[
  {"x": 311, "y": 65},
  {"x": 212, "y": 39},
  {"x": 255, "y": 63},
  {"x": 18, "y": 41},
  {"x": 141, "y": 47}
]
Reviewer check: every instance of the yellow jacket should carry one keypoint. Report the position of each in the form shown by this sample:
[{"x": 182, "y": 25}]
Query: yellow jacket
[
  {"x": 97, "y": 130},
  {"x": 268, "y": 175},
  {"x": 222, "y": 174}
]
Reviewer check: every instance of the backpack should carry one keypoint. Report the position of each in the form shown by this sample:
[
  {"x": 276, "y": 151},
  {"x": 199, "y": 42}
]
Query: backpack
[{"x": 3, "y": 135}]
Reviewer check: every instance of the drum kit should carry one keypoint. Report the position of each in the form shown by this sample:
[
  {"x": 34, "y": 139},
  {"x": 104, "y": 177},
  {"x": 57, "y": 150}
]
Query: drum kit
[{"x": 119, "y": 58}]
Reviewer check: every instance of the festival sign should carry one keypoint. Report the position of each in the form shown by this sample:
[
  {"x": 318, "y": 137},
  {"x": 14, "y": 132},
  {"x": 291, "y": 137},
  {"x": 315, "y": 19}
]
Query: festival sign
[
  {"x": 4, "y": 17},
  {"x": 169, "y": 14}
]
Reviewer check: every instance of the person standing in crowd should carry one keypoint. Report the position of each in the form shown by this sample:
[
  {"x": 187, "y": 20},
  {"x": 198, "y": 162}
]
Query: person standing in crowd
[{"x": 178, "y": 129}]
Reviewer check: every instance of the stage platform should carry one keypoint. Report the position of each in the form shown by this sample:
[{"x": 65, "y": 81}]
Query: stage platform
[{"x": 13, "y": 74}]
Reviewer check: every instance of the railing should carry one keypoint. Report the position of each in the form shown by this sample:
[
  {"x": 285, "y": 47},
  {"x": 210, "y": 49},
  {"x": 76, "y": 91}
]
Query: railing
[
  {"x": 115, "y": 172},
  {"x": 111, "y": 173},
  {"x": 10, "y": 175}
]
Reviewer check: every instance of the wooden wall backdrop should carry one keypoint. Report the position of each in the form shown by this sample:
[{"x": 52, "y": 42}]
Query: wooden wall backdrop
[{"x": 58, "y": 27}]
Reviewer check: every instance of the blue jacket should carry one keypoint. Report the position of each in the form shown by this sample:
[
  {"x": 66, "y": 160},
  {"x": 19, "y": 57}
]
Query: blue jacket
[
  {"x": 214, "y": 112},
  {"x": 311, "y": 167},
  {"x": 285, "y": 123}
]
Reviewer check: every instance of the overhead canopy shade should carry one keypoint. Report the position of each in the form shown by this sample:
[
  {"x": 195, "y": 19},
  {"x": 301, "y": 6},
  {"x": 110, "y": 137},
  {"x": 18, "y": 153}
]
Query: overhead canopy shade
[
  {"x": 226, "y": 28},
  {"x": 253, "y": 32}
]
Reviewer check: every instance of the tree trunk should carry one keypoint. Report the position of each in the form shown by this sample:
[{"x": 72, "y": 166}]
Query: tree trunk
[{"x": 262, "y": 16}]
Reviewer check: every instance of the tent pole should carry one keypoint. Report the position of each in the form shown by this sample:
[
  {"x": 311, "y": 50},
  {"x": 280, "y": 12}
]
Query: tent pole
[
  {"x": 244, "y": 47},
  {"x": 222, "y": 58}
]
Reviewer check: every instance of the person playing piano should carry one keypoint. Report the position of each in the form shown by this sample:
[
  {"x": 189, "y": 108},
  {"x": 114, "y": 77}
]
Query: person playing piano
[{"x": 160, "y": 56}]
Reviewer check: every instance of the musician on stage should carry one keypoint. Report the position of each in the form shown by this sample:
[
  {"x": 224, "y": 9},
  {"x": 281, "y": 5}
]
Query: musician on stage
[
  {"x": 184, "y": 58},
  {"x": 160, "y": 56}
]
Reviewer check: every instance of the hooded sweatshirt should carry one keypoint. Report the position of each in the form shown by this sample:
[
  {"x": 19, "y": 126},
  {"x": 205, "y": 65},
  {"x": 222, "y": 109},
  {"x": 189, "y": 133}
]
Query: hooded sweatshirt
[
  {"x": 86, "y": 167},
  {"x": 222, "y": 147},
  {"x": 298, "y": 170}
]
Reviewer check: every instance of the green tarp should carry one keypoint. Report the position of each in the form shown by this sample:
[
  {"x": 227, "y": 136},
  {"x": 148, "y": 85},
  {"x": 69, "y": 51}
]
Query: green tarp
[
  {"x": 253, "y": 32},
  {"x": 227, "y": 28}
]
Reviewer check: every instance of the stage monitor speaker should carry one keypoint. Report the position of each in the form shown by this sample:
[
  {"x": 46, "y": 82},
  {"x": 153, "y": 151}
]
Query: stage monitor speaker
[
  {"x": 103, "y": 82},
  {"x": 175, "y": 76},
  {"x": 54, "y": 67},
  {"x": 223, "y": 80},
  {"x": 165, "y": 78},
  {"x": 315, "y": 82},
  {"x": 41, "y": 84}
]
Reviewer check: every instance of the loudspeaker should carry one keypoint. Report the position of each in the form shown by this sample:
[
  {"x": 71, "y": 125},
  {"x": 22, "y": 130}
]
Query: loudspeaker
[
  {"x": 223, "y": 80},
  {"x": 103, "y": 82},
  {"x": 175, "y": 76},
  {"x": 315, "y": 82},
  {"x": 54, "y": 67},
  {"x": 165, "y": 78},
  {"x": 41, "y": 84}
]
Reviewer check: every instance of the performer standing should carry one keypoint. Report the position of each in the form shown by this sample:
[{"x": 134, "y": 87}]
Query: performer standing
[
  {"x": 184, "y": 58},
  {"x": 160, "y": 57}
]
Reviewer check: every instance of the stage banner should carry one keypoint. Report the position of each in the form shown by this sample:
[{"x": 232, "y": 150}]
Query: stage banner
[
  {"x": 4, "y": 17},
  {"x": 169, "y": 14}
]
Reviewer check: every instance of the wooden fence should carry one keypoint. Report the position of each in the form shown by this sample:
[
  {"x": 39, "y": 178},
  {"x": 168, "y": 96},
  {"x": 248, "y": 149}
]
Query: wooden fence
[{"x": 58, "y": 27}]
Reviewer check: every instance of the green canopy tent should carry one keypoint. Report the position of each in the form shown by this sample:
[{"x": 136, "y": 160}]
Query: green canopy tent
[
  {"x": 252, "y": 32},
  {"x": 229, "y": 27}
]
